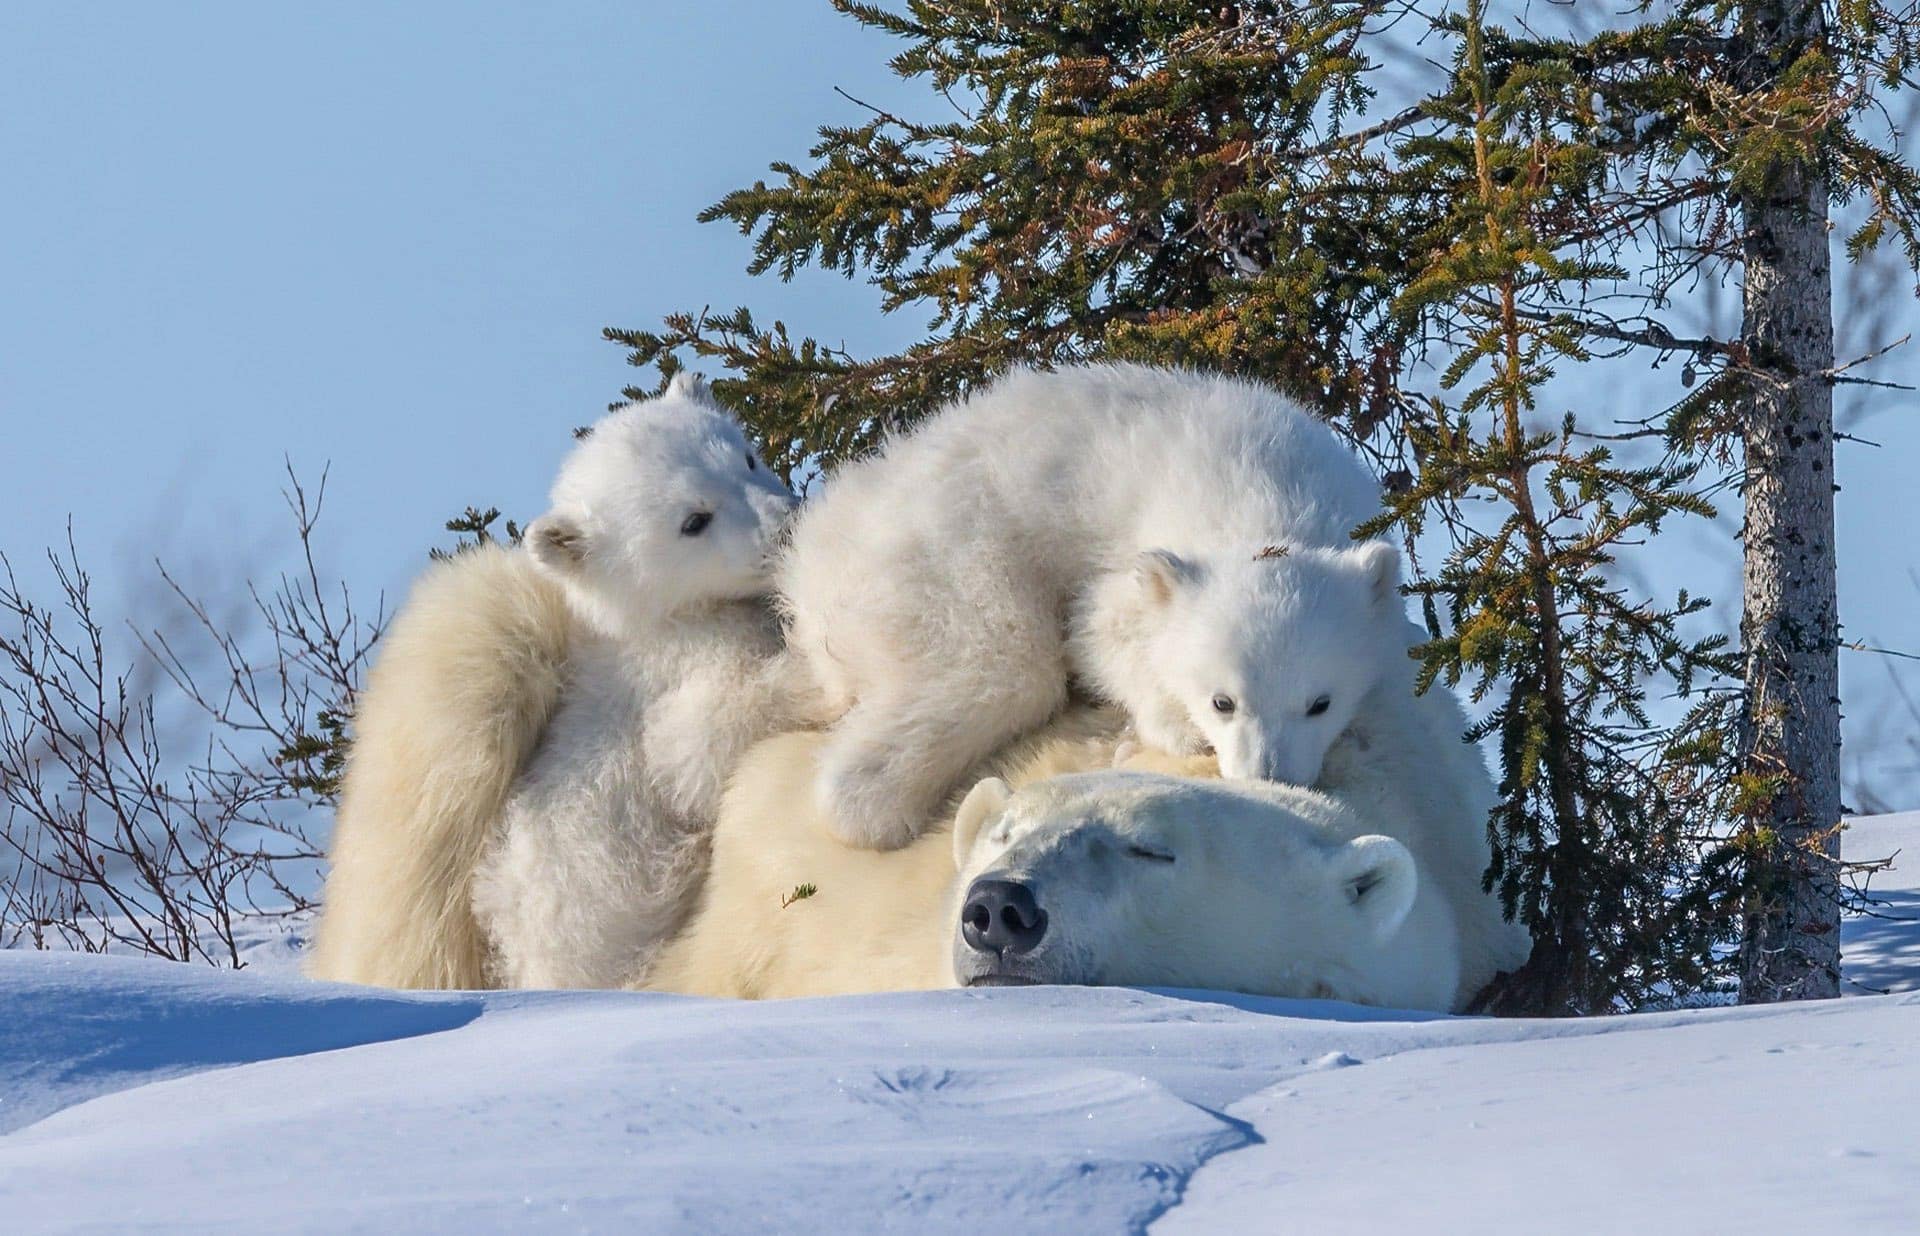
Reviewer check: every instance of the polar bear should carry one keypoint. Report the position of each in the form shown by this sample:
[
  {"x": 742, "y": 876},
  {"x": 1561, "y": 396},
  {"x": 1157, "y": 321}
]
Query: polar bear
[
  {"x": 538, "y": 753},
  {"x": 1174, "y": 542},
  {"x": 1112, "y": 877}
]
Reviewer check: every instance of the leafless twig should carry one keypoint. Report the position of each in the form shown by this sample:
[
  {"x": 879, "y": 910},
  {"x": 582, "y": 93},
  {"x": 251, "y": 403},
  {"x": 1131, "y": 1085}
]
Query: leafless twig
[{"x": 114, "y": 838}]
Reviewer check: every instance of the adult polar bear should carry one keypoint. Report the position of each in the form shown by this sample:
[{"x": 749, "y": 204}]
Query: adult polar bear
[
  {"x": 539, "y": 750},
  {"x": 1178, "y": 542},
  {"x": 1104, "y": 877}
]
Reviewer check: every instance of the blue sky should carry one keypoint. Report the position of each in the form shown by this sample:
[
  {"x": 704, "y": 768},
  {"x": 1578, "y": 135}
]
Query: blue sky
[{"x": 386, "y": 237}]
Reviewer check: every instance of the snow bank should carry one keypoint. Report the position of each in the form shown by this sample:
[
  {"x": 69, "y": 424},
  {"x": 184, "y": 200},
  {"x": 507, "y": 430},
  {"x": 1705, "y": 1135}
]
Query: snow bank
[
  {"x": 145, "y": 1094},
  {"x": 73, "y": 1026},
  {"x": 1806, "y": 1119}
]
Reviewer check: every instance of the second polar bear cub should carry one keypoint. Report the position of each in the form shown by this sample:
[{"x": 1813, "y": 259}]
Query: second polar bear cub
[
  {"x": 661, "y": 533},
  {"x": 1179, "y": 543}
]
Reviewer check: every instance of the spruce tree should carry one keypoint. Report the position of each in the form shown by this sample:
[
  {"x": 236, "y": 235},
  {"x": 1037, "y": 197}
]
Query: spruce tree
[{"x": 1220, "y": 185}]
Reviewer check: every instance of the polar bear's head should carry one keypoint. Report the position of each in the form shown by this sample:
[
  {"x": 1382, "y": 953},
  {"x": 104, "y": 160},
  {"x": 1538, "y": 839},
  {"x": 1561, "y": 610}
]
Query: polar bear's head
[
  {"x": 1138, "y": 879},
  {"x": 663, "y": 506},
  {"x": 1262, "y": 656}
]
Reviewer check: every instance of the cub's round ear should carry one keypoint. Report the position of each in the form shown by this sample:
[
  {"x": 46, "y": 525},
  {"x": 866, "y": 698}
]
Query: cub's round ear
[
  {"x": 1379, "y": 563},
  {"x": 692, "y": 385},
  {"x": 1378, "y": 878},
  {"x": 983, "y": 802},
  {"x": 1161, "y": 573},
  {"x": 557, "y": 543}
]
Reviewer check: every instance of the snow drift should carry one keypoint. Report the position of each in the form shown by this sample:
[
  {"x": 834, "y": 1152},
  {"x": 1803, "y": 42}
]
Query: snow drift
[{"x": 149, "y": 1095}]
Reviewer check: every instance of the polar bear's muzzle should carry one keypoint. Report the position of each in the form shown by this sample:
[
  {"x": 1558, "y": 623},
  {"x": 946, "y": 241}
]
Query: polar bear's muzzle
[{"x": 1001, "y": 924}]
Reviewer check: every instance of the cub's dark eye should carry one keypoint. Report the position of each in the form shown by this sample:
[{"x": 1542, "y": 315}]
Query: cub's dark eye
[
  {"x": 1224, "y": 705},
  {"x": 1152, "y": 856},
  {"x": 1319, "y": 706},
  {"x": 753, "y": 464},
  {"x": 696, "y": 523}
]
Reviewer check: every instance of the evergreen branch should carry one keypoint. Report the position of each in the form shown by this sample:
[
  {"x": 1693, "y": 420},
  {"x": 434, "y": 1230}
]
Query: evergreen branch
[
  {"x": 918, "y": 132},
  {"x": 1404, "y": 119},
  {"x": 1652, "y": 335},
  {"x": 1834, "y": 374},
  {"x": 1889, "y": 386}
]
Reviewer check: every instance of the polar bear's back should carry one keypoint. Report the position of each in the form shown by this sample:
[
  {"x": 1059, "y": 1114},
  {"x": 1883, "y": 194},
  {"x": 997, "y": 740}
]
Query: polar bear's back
[
  {"x": 1191, "y": 461},
  {"x": 787, "y": 910},
  {"x": 1015, "y": 498},
  {"x": 1082, "y": 464}
]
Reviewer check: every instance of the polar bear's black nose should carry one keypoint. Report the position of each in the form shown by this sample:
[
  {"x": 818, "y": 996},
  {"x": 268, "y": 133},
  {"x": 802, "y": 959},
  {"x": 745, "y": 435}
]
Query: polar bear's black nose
[{"x": 1001, "y": 916}]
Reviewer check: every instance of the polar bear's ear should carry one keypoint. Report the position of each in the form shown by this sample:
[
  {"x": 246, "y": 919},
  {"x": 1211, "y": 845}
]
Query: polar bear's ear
[
  {"x": 1377, "y": 877},
  {"x": 557, "y": 543},
  {"x": 1380, "y": 566},
  {"x": 1161, "y": 573},
  {"x": 983, "y": 802},
  {"x": 692, "y": 385}
]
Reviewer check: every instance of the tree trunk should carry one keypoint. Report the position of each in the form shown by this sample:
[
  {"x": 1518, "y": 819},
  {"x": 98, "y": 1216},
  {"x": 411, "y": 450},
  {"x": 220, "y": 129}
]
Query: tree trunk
[{"x": 1789, "y": 626}]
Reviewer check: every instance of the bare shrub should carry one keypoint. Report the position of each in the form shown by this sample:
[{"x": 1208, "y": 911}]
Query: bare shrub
[{"x": 121, "y": 833}]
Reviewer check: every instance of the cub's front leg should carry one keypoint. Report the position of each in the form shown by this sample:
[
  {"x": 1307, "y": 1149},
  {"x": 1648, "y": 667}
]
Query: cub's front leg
[
  {"x": 696, "y": 732},
  {"x": 890, "y": 764}
]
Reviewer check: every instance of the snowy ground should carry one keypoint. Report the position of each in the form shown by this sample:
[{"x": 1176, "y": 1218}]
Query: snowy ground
[{"x": 147, "y": 1095}]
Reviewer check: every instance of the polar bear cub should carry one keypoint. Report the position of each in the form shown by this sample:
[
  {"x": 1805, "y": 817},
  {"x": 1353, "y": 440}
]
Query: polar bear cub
[
  {"x": 1177, "y": 543},
  {"x": 661, "y": 531},
  {"x": 539, "y": 752},
  {"x": 1101, "y": 877}
]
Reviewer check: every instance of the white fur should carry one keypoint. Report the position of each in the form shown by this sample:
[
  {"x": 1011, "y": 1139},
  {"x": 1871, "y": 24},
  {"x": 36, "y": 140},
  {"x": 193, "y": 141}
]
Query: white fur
[
  {"x": 613, "y": 533},
  {"x": 1405, "y": 765},
  {"x": 1251, "y": 886},
  {"x": 1105, "y": 523},
  {"x": 862, "y": 929},
  {"x": 1273, "y": 890},
  {"x": 1291, "y": 643},
  {"x": 469, "y": 672},
  {"x": 574, "y": 845},
  {"x": 1403, "y": 762}
]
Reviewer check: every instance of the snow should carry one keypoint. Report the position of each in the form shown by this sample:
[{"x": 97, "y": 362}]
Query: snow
[
  {"x": 1882, "y": 950},
  {"x": 1807, "y": 1119},
  {"x": 142, "y": 1094}
]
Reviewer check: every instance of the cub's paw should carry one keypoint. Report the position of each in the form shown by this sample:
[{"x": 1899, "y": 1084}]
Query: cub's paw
[{"x": 863, "y": 798}]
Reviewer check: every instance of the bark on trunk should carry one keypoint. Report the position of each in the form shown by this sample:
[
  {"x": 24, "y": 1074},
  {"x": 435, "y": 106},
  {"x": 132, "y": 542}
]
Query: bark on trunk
[{"x": 1789, "y": 626}]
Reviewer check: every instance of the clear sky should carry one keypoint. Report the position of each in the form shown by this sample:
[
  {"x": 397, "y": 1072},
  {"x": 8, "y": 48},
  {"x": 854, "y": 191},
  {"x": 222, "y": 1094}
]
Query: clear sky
[{"x": 386, "y": 237}]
